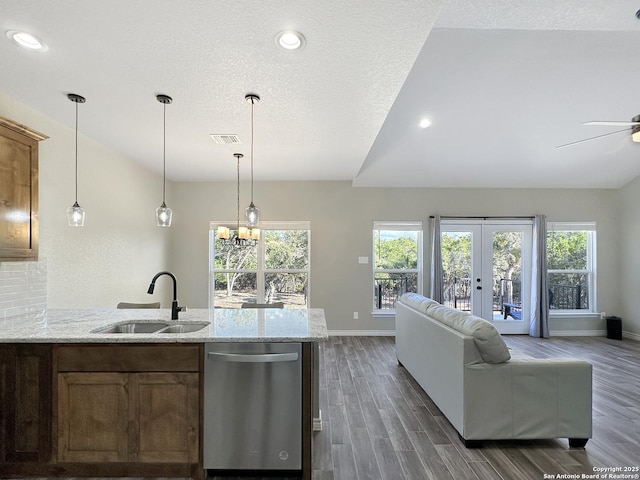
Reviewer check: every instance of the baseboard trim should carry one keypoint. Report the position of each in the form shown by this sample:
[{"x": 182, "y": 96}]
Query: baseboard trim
[
  {"x": 631, "y": 336},
  {"x": 577, "y": 333},
  {"x": 362, "y": 333}
]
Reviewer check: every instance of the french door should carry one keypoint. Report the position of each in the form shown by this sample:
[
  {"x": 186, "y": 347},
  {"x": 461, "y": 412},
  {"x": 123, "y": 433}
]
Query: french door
[{"x": 487, "y": 270}]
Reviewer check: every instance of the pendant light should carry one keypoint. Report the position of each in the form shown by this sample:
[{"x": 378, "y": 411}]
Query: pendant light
[
  {"x": 163, "y": 213},
  {"x": 252, "y": 213},
  {"x": 243, "y": 236},
  {"x": 75, "y": 213}
]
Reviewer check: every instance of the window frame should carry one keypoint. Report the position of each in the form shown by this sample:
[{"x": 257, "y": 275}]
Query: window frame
[
  {"x": 401, "y": 226},
  {"x": 261, "y": 271},
  {"x": 591, "y": 261}
]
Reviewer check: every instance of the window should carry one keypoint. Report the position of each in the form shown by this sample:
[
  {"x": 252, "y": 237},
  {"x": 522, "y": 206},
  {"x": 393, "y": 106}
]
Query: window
[
  {"x": 571, "y": 266},
  {"x": 276, "y": 270},
  {"x": 397, "y": 264}
]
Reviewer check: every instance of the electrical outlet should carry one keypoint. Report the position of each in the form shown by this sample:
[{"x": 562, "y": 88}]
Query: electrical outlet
[
  {"x": 603, "y": 315},
  {"x": 355, "y": 315}
]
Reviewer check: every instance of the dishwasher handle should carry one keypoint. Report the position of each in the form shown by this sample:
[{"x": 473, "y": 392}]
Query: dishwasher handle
[{"x": 255, "y": 358}]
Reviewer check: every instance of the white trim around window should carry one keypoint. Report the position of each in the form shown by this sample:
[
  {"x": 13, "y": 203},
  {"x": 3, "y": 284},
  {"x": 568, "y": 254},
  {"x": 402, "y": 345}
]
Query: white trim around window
[
  {"x": 590, "y": 271},
  {"x": 396, "y": 226}
]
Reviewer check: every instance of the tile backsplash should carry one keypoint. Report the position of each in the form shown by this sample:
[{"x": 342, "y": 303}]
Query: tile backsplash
[{"x": 23, "y": 287}]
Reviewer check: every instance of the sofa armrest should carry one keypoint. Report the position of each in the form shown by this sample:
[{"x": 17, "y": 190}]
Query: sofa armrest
[{"x": 528, "y": 398}]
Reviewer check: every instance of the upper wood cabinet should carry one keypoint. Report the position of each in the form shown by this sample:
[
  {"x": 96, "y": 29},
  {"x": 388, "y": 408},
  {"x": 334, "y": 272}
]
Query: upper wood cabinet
[{"x": 18, "y": 191}]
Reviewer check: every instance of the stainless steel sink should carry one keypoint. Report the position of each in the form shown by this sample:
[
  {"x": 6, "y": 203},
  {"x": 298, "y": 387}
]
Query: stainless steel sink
[
  {"x": 184, "y": 328},
  {"x": 137, "y": 326},
  {"x": 131, "y": 327}
]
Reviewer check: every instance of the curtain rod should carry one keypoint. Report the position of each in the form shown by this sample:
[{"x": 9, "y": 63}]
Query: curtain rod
[{"x": 466, "y": 217}]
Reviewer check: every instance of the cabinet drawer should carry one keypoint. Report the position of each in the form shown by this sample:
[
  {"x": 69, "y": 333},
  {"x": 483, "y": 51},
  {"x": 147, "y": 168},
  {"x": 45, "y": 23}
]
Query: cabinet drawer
[{"x": 128, "y": 358}]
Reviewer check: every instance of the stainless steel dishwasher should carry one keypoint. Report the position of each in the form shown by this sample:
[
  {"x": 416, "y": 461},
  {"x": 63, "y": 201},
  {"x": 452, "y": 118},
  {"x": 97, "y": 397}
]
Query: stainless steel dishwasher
[{"x": 253, "y": 406}]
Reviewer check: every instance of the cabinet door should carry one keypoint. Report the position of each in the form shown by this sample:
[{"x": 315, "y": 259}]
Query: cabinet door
[
  {"x": 164, "y": 406},
  {"x": 92, "y": 417},
  {"x": 26, "y": 403},
  {"x": 18, "y": 191}
]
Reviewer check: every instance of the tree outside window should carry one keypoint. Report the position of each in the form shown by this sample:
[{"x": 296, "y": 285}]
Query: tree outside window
[
  {"x": 275, "y": 270},
  {"x": 397, "y": 265},
  {"x": 571, "y": 266}
]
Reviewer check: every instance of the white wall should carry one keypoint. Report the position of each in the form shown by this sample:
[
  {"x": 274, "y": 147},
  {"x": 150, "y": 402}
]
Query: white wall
[
  {"x": 115, "y": 255},
  {"x": 629, "y": 199},
  {"x": 341, "y": 222}
]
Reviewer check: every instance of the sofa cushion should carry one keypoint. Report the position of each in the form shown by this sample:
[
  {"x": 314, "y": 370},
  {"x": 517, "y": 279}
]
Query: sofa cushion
[
  {"x": 487, "y": 339},
  {"x": 419, "y": 302}
]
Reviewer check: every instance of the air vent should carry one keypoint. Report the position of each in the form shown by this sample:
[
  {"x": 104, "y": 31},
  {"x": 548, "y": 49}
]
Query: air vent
[{"x": 225, "y": 139}]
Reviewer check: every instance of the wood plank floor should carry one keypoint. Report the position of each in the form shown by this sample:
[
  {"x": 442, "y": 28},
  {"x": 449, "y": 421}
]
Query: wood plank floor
[{"x": 379, "y": 424}]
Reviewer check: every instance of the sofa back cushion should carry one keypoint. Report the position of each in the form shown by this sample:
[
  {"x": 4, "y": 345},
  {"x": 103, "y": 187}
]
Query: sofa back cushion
[
  {"x": 487, "y": 339},
  {"x": 419, "y": 302}
]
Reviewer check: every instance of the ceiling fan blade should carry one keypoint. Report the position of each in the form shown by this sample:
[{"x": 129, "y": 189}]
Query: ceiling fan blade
[
  {"x": 592, "y": 138},
  {"x": 612, "y": 124}
]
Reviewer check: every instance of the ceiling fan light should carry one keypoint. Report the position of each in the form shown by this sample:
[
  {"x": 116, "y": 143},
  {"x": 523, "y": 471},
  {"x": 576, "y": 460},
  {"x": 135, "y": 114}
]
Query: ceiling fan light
[
  {"x": 27, "y": 40},
  {"x": 635, "y": 136}
]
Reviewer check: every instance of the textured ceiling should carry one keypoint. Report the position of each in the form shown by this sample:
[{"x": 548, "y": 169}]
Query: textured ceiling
[{"x": 504, "y": 82}]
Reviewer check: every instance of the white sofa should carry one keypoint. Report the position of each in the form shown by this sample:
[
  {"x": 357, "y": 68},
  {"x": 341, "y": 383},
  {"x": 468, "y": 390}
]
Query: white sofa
[{"x": 485, "y": 390}]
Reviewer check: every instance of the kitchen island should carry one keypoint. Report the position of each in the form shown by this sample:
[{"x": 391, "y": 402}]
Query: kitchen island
[{"x": 82, "y": 401}]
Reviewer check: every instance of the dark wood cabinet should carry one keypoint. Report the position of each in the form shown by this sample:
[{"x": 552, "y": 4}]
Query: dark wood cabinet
[
  {"x": 118, "y": 410},
  {"x": 26, "y": 404},
  {"x": 111, "y": 410},
  {"x": 92, "y": 417},
  {"x": 164, "y": 409},
  {"x": 18, "y": 191}
]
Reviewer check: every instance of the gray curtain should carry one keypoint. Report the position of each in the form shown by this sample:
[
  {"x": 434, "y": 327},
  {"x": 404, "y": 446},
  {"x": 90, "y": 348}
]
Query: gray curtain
[
  {"x": 539, "y": 323},
  {"x": 436, "y": 260}
]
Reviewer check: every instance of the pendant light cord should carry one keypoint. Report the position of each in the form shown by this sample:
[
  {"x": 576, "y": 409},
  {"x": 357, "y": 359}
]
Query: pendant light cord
[
  {"x": 164, "y": 152},
  {"x": 252, "y": 104},
  {"x": 238, "y": 169},
  {"x": 76, "y": 152}
]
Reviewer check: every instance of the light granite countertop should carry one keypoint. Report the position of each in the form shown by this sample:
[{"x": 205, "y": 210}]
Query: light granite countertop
[{"x": 221, "y": 325}]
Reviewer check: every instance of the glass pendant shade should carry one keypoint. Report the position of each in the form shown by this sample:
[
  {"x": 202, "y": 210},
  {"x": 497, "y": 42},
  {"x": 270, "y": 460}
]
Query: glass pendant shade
[
  {"x": 252, "y": 215},
  {"x": 75, "y": 215},
  {"x": 163, "y": 216}
]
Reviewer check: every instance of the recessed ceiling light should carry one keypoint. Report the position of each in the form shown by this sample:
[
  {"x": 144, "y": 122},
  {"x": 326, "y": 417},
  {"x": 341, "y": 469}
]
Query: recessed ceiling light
[
  {"x": 27, "y": 40},
  {"x": 425, "y": 123},
  {"x": 290, "y": 40}
]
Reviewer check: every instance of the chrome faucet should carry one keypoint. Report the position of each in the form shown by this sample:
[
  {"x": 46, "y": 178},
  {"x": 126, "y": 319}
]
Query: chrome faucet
[{"x": 174, "y": 304}]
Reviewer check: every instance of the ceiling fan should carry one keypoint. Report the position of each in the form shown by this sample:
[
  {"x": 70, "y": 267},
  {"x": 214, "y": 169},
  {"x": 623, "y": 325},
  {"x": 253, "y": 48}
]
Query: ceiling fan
[{"x": 633, "y": 126}]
